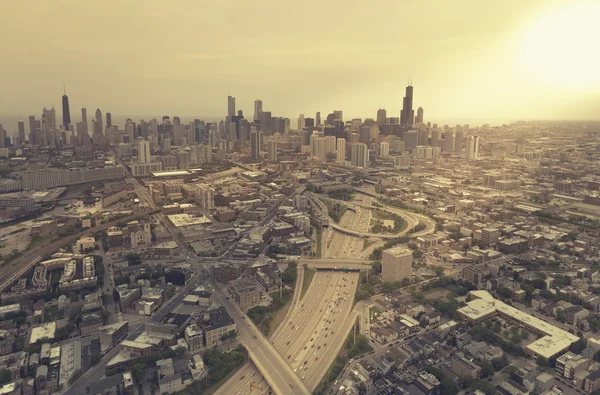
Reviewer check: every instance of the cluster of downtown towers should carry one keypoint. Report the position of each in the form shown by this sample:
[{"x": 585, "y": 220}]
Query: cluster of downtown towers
[{"x": 46, "y": 132}]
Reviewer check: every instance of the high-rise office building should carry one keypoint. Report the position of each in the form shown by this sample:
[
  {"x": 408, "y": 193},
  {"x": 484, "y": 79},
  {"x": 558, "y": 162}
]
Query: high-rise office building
[
  {"x": 338, "y": 115},
  {"x": 257, "y": 109},
  {"x": 330, "y": 144},
  {"x": 318, "y": 119},
  {"x": 458, "y": 141},
  {"x": 320, "y": 145},
  {"x": 472, "y": 151},
  {"x": 411, "y": 139},
  {"x": 32, "y": 130},
  {"x": 272, "y": 148},
  {"x": 21, "y": 134},
  {"x": 407, "y": 114},
  {"x": 230, "y": 107},
  {"x": 98, "y": 122},
  {"x": 341, "y": 150},
  {"x": 360, "y": 155},
  {"x": 301, "y": 122},
  {"x": 448, "y": 141},
  {"x": 419, "y": 118},
  {"x": 435, "y": 137},
  {"x": 381, "y": 116},
  {"x": 384, "y": 148},
  {"x": 144, "y": 155},
  {"x": 254, "y": 143},
  {"x": 364, "y": 134},
  {"x": 109, "y": 120},
  {"x": 396, "y": 264},
  {"x": 423, "y": 136},
  {"x": 66, "y": 111},
  {"x": 50, "y": 117}
]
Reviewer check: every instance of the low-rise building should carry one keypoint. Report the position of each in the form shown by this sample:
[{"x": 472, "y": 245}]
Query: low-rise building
[
  {"x": 464, "y": 368},
  {"x": 216, "y": 323},
  {"x": 245, "y": 293}
]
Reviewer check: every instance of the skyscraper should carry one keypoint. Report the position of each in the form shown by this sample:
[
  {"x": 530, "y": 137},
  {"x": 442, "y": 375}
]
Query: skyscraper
[
  {"x": 273, "y": 151},
  {"x": 472, "y": 151},
  {"x": 384, "y": 148},
  {"x": 254, "y": 144},
  {"x": 98, "y": 124},
  {"x": 301, "y": 122},
  {"x": 360, "y": 155},
  {"x": 407, "y": 115},
  {"x": 341, "y": 150},
  {"x": 419, "y": 118},
  {"x": 257, "y": 109},
  {"x": 230, "y": 107},
  {"x": 338, "y": 115},
  {"x": 32, "y": 130},
  {"x": 50, "y": 116},
  {"x": 318, "y": 119},
  {"x": 84, "y": 119},
  {"x": 66, "y": 111},
  {"x": 381, "y": 116},
  {"x": 143, "y": 151},
  {"x": 108, "y": 120},
  {"x": 21, "y": 132},
  {"x": 458, "y": 141},
  {"x": 448, "y": 141},
  {"x": 396, "y": 264}
]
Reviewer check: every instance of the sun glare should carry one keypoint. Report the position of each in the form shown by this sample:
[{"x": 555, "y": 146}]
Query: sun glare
[{"x": 562, "y": 47}]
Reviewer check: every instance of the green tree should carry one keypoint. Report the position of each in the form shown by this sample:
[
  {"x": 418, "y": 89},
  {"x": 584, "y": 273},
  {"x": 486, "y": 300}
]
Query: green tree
[
  {"x": 5, "y": 376},
  {"x": 487, "y": 370}
]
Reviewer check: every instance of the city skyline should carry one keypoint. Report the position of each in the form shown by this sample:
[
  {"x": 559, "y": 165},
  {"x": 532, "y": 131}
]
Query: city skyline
[{"x": 480, "y": 64}]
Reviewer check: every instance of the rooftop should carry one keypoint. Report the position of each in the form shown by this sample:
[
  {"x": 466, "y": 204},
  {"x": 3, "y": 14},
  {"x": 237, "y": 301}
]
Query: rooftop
[
  {"x": 43, "y": 331},
  {"x": 554, "y": 341}
]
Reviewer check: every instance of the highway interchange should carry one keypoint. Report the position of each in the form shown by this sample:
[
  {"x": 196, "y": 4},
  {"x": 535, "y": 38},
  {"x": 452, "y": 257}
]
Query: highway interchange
[{"x": 301, "y": 350}]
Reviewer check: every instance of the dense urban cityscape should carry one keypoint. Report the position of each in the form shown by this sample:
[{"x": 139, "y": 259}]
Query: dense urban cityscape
[{"x": 325, "y": 255}]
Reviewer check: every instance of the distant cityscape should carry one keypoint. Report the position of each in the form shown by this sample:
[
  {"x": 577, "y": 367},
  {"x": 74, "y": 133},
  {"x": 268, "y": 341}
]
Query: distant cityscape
[{"x": 320, "y": 255}]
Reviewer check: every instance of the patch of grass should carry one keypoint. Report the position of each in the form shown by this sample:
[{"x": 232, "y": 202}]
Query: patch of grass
[
  {"x": 280, "y": 314},
  {"x": 335, "y": 210},
  {"x": 367, "y": 243},
  {"x": 51, "y": 313},
  {"x": 319, "y": 242},
  {"x": 308, "y": 276},
  {"x": 265, "y": 317}
]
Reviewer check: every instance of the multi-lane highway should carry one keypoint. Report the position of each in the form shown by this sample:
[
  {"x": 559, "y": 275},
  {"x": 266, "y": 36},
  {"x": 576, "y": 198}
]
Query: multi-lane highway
[
  {"x": 278, "y": 374},
  {"x": 310, "y": 334}
]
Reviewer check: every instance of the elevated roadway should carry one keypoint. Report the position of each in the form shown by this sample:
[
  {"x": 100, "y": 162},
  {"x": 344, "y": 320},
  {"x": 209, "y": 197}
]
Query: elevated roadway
[{"x": 278, "y": 374}]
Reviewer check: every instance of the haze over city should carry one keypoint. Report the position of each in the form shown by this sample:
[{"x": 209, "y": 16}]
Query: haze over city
[
  {"x": 293, "y": 198},
  {"x": 471, "y": 59}
]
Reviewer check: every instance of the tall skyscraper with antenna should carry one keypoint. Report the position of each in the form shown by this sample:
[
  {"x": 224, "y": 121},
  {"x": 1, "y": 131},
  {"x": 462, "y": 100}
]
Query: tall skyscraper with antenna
[
  {"x": 65, "y": 109},
  {"x": 407, "y": 115}
]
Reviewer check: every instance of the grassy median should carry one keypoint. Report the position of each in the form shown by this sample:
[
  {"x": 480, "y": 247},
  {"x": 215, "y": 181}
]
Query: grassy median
[{"x": 308, "y": 276}]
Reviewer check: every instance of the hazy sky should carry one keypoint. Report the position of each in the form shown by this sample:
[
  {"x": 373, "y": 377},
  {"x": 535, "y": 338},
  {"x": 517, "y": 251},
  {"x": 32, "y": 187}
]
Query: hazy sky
[{"x": 467, "y": 58}]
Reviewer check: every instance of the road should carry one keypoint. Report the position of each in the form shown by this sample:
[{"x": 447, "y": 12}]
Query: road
[
  {"x": 311, "y": 335},
  {"x": 278, "y": 374},
  {"x": 249, "y": 373},
  {"x": 411, "y": 218},
  {"x": 96, "y": 372},
  {"x": 241, "y": 382},
  {"x": 335, "y": 262}
]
